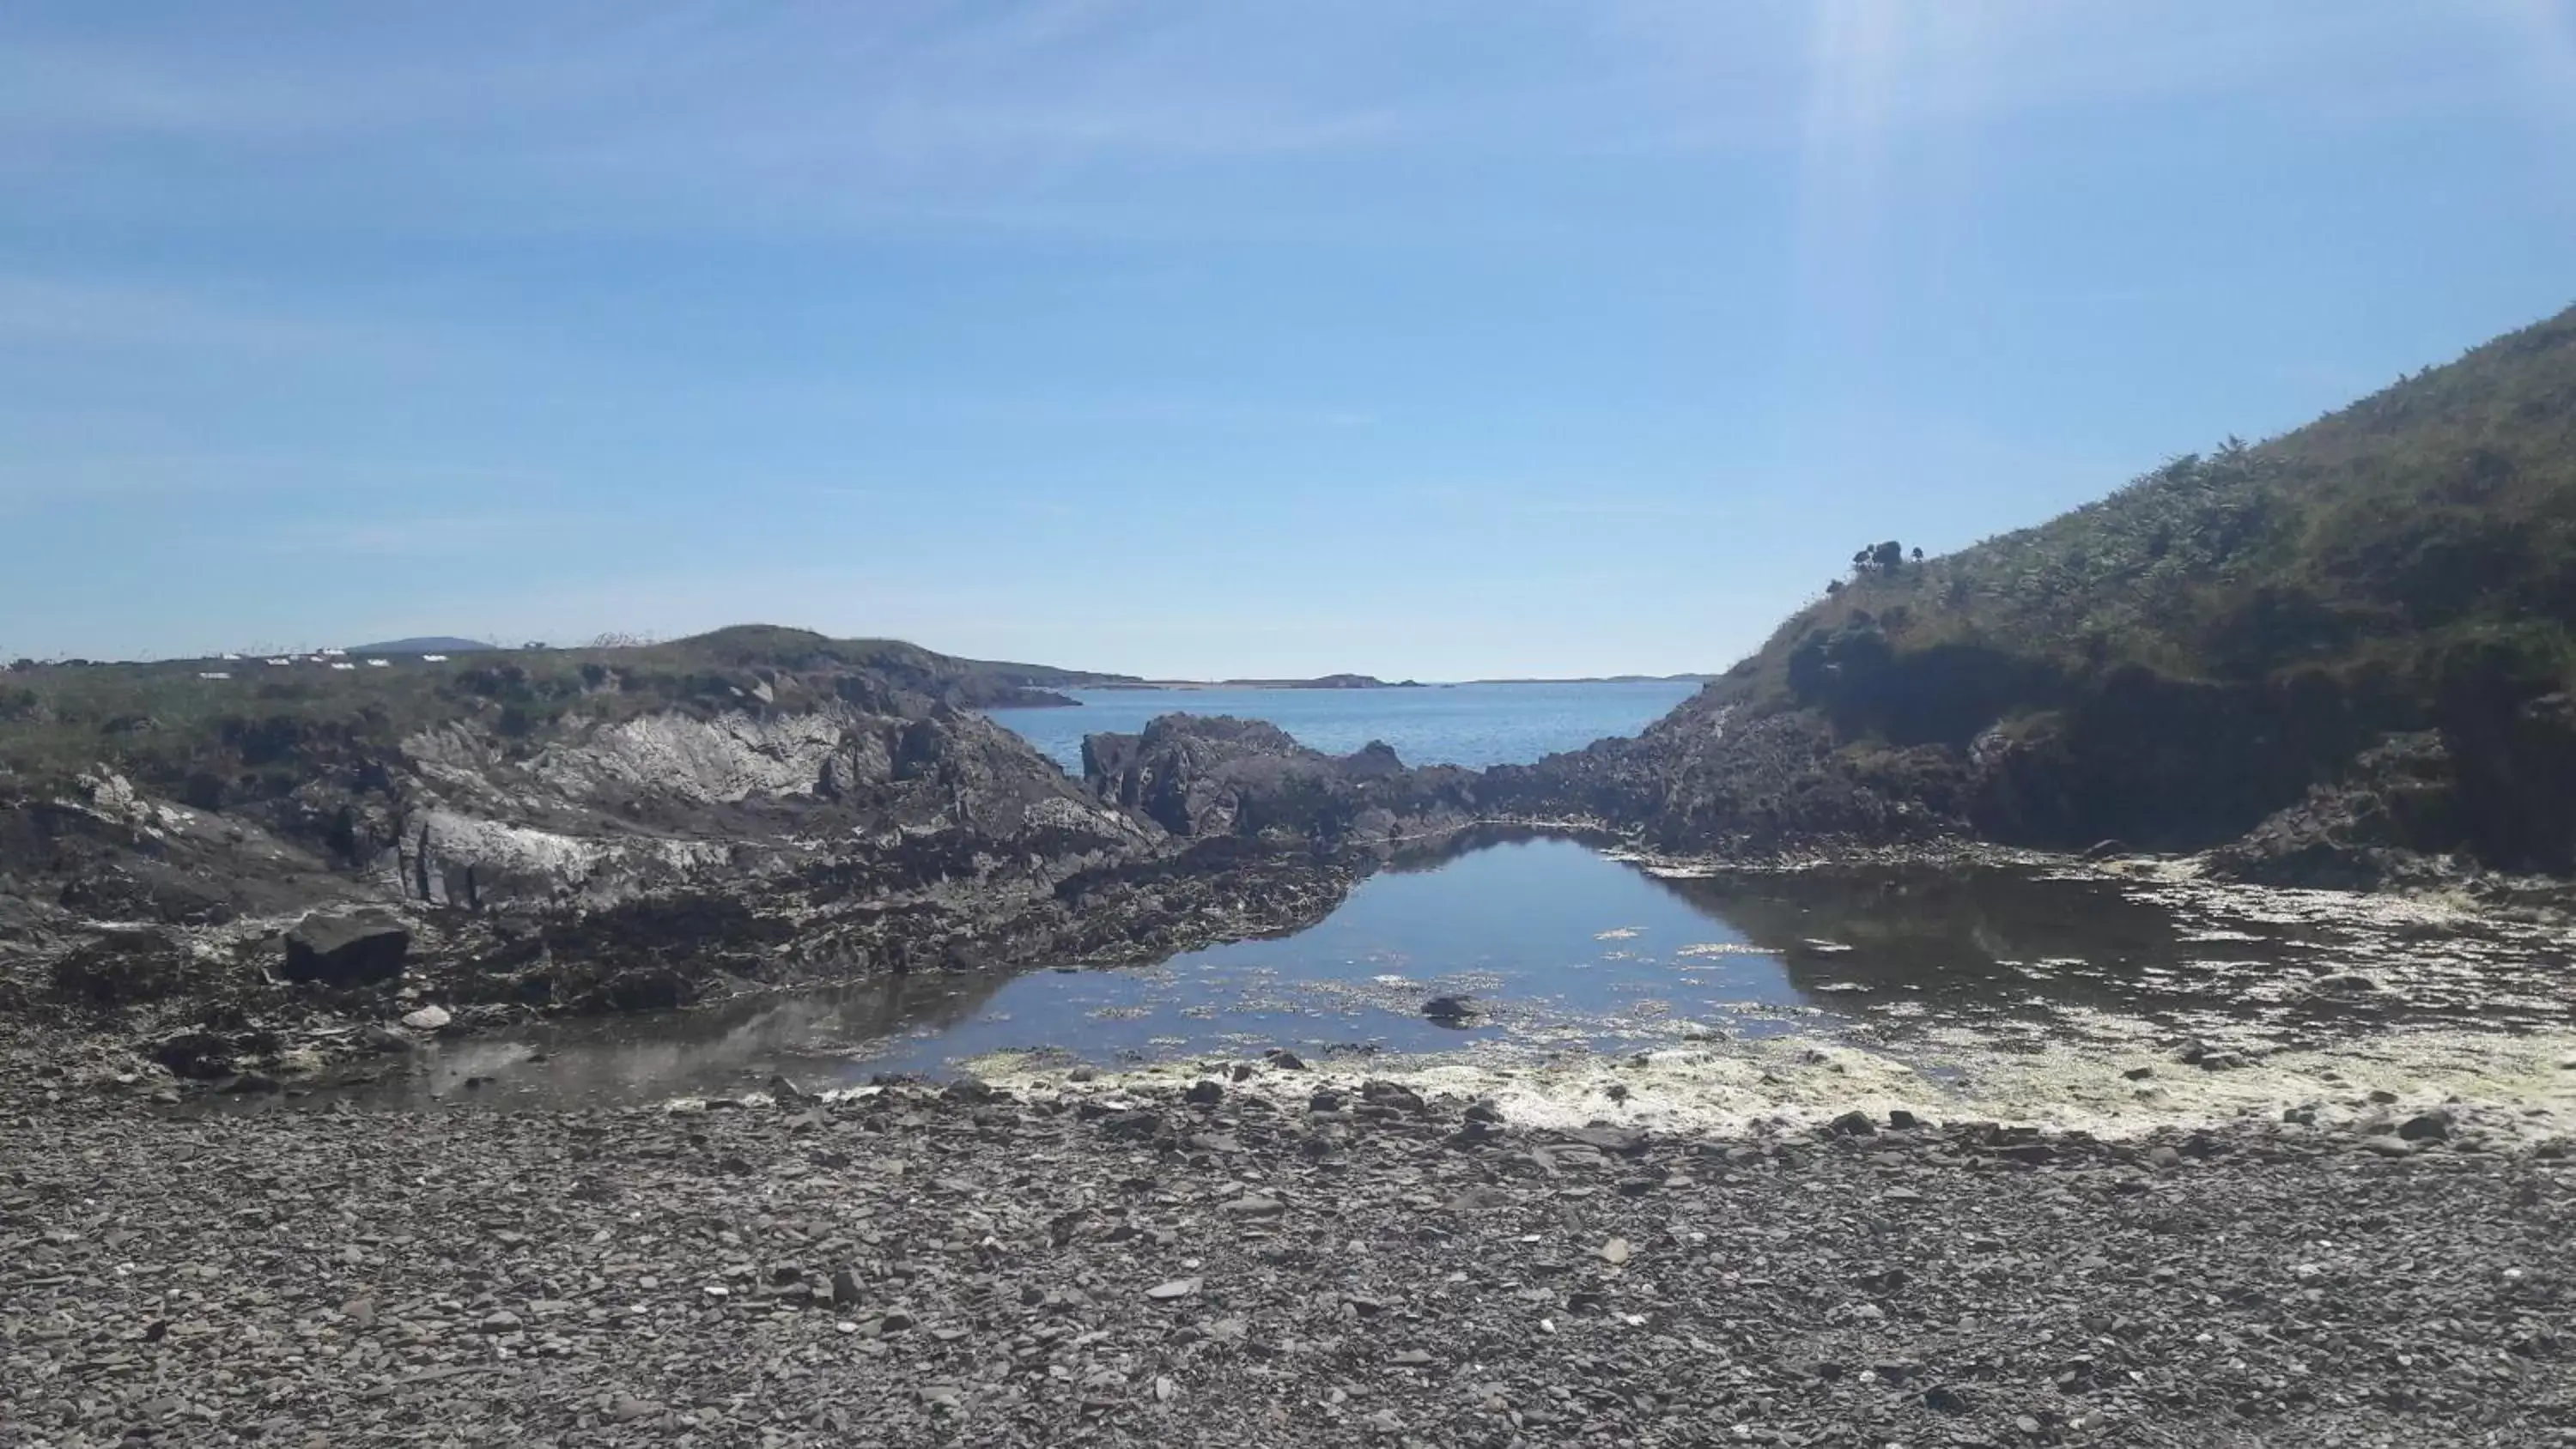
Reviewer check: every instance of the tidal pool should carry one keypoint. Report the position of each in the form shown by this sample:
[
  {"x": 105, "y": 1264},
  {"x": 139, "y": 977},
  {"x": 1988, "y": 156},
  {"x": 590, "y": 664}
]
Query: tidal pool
[{"x": 1564, "y": 952}]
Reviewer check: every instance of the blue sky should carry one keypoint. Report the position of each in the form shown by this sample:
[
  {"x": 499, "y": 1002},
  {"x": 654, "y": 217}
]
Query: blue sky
[{"x": 1422, "y": 339}]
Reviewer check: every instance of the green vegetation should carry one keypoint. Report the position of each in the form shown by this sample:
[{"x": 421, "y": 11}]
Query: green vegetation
[
  {"x": 268, "y": 728},
  {"x": 2174, "y": 663},
  {"x": 2436, "y": 514}
]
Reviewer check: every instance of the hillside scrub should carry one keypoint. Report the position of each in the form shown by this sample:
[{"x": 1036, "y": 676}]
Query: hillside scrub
[{"x": 2184, "y": 658}]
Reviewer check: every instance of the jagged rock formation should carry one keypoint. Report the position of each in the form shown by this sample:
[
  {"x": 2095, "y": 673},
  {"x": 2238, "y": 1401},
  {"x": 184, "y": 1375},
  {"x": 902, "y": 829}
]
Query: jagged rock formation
[
  {"x": 558, "y": 832},
  {"x": 1200, "y": 777}
]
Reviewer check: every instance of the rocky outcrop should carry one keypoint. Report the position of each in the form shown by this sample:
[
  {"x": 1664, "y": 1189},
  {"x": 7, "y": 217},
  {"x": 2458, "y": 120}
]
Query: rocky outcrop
[
  {"x": 2398, "y": 804},
  {"x": 1200, "y": 777},
  {"x": 2304, "y": 778},
  {"x": 1715, "y": 776},
  {"x": 674, "y": 802},
  {"x": 817, "y": 827}
]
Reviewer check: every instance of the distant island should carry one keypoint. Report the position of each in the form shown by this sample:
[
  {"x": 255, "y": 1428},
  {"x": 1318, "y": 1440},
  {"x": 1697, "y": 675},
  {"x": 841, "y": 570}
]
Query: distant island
[
  {"x": 425, "y": 644},
  {"x": 1609, "y": 679}
]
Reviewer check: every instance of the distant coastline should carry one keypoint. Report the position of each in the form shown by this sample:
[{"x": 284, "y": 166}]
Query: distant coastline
[
  {"x": 1325, "y": 681},
  {"x": 1370, "y": 681},
  {"x": 1608, "y": 679}
]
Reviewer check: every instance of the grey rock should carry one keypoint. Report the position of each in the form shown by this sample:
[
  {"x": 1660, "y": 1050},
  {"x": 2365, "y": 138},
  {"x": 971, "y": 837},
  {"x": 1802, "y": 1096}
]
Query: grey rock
[
  {"x": 1391, "y": 1094},
  {"x": 1617, "y": 1141},
  {"x": 1142, "y": 1124}
]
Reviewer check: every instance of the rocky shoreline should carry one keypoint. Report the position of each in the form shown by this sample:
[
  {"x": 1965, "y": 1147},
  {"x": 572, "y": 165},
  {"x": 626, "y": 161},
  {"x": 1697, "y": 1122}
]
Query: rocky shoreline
[
  {"x": 667, "y": 861},
  {"x": 1266, "y": 1256},
  {"x": 670, "y": 839}
]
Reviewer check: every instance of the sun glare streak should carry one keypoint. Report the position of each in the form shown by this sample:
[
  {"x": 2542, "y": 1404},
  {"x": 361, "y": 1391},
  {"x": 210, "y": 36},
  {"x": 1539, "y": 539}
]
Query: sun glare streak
[{"x": 1884, "y": 87}]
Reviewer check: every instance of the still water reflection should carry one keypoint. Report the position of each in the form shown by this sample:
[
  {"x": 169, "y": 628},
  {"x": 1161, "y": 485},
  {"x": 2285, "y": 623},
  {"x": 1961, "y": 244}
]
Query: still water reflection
[{"x": 1558, "y": 947}]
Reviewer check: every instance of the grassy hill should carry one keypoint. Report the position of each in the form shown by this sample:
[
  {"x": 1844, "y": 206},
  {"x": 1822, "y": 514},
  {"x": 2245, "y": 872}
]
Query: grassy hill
[
  {"x": 2207, "y": 645},
  {"x": 2439, "y": 510},
  {"x": 263, "y": 729}
]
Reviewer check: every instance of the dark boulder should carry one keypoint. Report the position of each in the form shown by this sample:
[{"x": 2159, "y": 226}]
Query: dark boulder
[
  {"x": 2433, "y": 1126},
  {"x": 346, "y": 950},
  {"x": 1450, "y": 1010}
]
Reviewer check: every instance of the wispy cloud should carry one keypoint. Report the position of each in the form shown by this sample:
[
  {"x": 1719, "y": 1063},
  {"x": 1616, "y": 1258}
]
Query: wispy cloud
[{"x": 1028, "y": 115}]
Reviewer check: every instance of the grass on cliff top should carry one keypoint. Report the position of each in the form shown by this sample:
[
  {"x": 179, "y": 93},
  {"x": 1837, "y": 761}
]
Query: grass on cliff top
[
  {"x": 170, "y": 729},
  {"x": 2440, "y": 510}
]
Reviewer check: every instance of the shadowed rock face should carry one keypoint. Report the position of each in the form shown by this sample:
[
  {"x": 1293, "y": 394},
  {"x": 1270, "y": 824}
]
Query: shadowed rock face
[
  {"x": 1717, "y": 777},
  {"x": 2299, "y": 781},
  {"x": 346, "y": 950},
  {"x": 1203, "y": 777}
]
